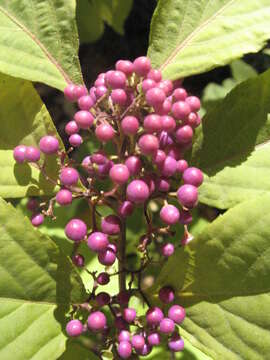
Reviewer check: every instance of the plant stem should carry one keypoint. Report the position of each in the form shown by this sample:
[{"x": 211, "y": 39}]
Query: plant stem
[{"x": 122, "y": 256}]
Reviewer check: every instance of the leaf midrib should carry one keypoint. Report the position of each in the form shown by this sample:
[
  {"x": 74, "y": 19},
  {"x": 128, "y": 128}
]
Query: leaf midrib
[
  {"x": 38, "y": 42},
  {"x": 185, "y": 43}
]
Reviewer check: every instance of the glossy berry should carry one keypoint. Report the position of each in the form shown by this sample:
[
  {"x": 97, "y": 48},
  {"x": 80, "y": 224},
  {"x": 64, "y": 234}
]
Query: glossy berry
[
  {"x": 166, "y": 326},
  {"x": 96, "y": 321},
  {"x": 125, "y": 66},
  {"x": 78, "y": 260},
  {"x": 49, "y": 145},
  {"x": 103, "y": 278},
  {"x": 137, "y": 191},
  {"x": 159, "y": 157},
  {"x": 74, "y": 328},
  {"x": 119, "y": 97},
  {"x": 193, "y": 176},
  {"x": 124, "y": 349},
  {"x": 75, "y": 140},
  {"x": 194, "y": 103},
  {"x": 72, "y": 127},
  {"x": 86, "y": 102},
  {"x": 76, "y": 229},
  {"x": 182, "y": 165},
  {"x": 129, "y": 314},
  {"x": 168, "y": 123},
  {"x": 80, "y": 90},
  {"x": 177, "y": 313},
  {"x": 184, "y": 134},
  {"x": 125, "y": 209},
  {"x": 97, "y": 241},
  {"x": 154, "y": 316},
  {"x": 99, "y": 157},
  {"x": 166, "y": 294},
  {"x": 124, "y": 335},
  {"x": 134, "y": 165},
  {"x": 64, "y": 197},
  {"x": 148, "y": 144},
  {"x": 181, "y": 110},
  {"x": 166, "y": 86},
  {"x": 37, "y": 219},
  {"x": 176, "y": 343},
  {"x": 116, "y": 79},
  {"x": 101, "y": 91},
  {"x": 130, "y": 125},
  {"x": 153, "y": 339},
  {"x": 69, "y": 176},
  {"x": 169, "y": 214},
  {"x": 179, "y": 94},
  {"x": 152, "y": 123},
  {"x": 155, "y": 75},
  {"x": 69, "y": 92},
  {"x": 105, "y": 132},
  {"x": 111, "y": 225},
  {"x": 107, "y": 257},
  {"x": 142, "y": 66},
  {"x": 19, "y": 153},
  {"x": 187, "y": 196},
  {"x": 32, "y": 154},
  {"x": 168, "y": 167},
  {"x": 103, "y": 299},
  {"x": 137, "y": 342},
  {"x": 162, "y": 185},
  {"x": 119, "y": 174},
  {"x": 155, "y": 97},
  {"x": 148, "y": 84},
  {"x": 145, "y": 350},
  {"x": 167, "y": 250},
  {"x": 84, "y": 119}
]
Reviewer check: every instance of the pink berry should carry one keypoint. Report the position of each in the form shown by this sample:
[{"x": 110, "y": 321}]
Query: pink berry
[
  {"x": 162, "y": 185},
  {"x": 194, "y": 103},
  {"x": 155, "y": 97},
  {"x": 75, "y": 140},
  {"x": 155, "y": 75},
  {"x": 166, "y": 294},
  {"x": 119, "y": 97},
  {"x": 145, "y": 350},
  {"x": 124, "y": 335},
  {"x": 152, "y": 123},
  {"x": 79, "y": 91},
  {"x": 129, "y": 314},
  {"x": 193, "y": 176},
  {"x": 166, "y": 326},
  {"x": 187, "y": 196},
  {"x": 125, "y": 66},
  {"x": 105, "y": 132},
  {"x": 148, "y": 84},
  {"x": 116, "y": 79},
  {"x": 168, "y": 123},
  {"x": 76, "y": 230},
  {"x": 130, "y": 125},
  {"x": 64, "y": 197},
  {"x": 19, "y": 153},
  {"x": 111, "y": 225},
  {"x": 184, "y": 134},
  {"x": 103, "y": 278},
  {"x": 124, "y": 349},
  {"x": 134, "y": 165},
  {"x": 176, "y": 152},
  {"x": 137, "y": 191},
  {"x": 177, "y": 313},
  {"x": 148, "y": 144},
  {"x": 96, "y": 321},
  {"x": 100, "y": 81},
  {"x": 167, "y": 250},
  {"x": 182, "y": 165},
  {"x": 101, "y": 91},
  {"x": 49, "y": 144},
  {"x": 85, "y": 102},
  {"x": 107, "y": 257},
  {"x": 166, "y": 86},
  {"x": 74, "y": 328},
  {"x": 185, "y": 217},
  {"x": 169, "y": 214},
  {"x": 142, "y": 66},
  {"x": 98, "y": 241},
  {"x": 32, "y": 154},
  {"x": 71, "y": 127},
  {"x": 164, "y": 108},
  {"x": 119, "y": 174},
  {"x": 153, "y": 339},
  {"x": 69, "y": 92},
  {"x": 92, "y": 93},
  {"x": 168, "y": 167},
  {"x": 125, "y": 209},
  {"x": 154, "y": 316},
  {"x": 176, "y": 343},
  {"x": 78, "y": 260},
  {"x": 181, "y": 110},
  {"x": 180, "y": 94},
  {"x": 99, "y": 157},
  {"x": 84, "y": 119},
  {"x": 37, "y": 219},
  {"x": 137, "y": 342},
  {"x": 69, "y": 176},
  {"x": 159, "y": 157}
]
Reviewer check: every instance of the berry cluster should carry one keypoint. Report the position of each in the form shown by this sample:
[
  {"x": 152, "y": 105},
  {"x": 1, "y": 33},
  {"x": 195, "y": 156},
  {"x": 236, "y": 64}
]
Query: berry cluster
[{"x": 148, "y": 124}]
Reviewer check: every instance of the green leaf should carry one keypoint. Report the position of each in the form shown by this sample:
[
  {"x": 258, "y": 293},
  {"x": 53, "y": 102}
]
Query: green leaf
[
  {"x": 24, "y": 120},
  {"x": 223, "y": 282},
  {"x": 190, "y": 37},
  {"x": 115, "y": 12},
  {"x": 38, "y": 283},
  {"x": 242, "y": 71},
  {"x": 232, "y": 148},
  {"x": 38, "y": 41}
]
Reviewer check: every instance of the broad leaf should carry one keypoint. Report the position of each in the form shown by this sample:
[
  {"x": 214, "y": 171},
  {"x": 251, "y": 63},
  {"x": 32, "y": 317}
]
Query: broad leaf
[
  {"x": 234, "y": 168},
  {"x": 38, "y": 41},
  {"x": 24, "y": 120},
  {"x": 190, "y": 37},
  {"x": 38, "y": 283},
  {"x": 223, "y": 282}
]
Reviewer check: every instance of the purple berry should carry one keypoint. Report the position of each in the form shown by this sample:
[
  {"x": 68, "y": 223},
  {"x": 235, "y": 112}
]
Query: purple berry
[
  {"x": 124, "y": 335},
  {"x": 152, "y": 123},
  {"x": 159, "y": 157},
  {"x": 193, "y": 120},
  {"x": 176, "y": 343},
  {"x": 99, "y": 157},
  {"x": 74, "y": 328},
  {"x": 120, "y": 323},
  {"x": 181, "y": 110},
  {"x": 75, "y": 229},
  {"x": 175, "y": 152},
  {"x": 119, "y": 97},
  {"x": 85, "y": 102},
  {"x": 193, "y": 176},
  {"x": 180, "y": 94},
  {"x": 107, "y": 257},
  {"x": 92, "y": 93},
  {"x": 164, "y": 108},
  {"x": 71, "y": 127},
  {"x": 123, "y": 297},
  {"x": 148, "y": 84},
  {"x": 169, "y": 214},
  {"x": 69, "y": 92},
  {"x": 168, "y": 167},
  {"x": 103, "y": 298},
  {"x": 187, "y": 196},
  {"x": 155, "y": 97},
  {"x": 194, "y": 103},
  {"x": 163, "y": 185},
  {"x": 101, "y": 91},
  {"x": 142, "y": 66},
  {"x": 37, "y": 219},
  {"x": 19, "y": 153},
  {"x": 125, "y": 66},
  {"x": 32, "y": 154},
  {"x": 96, "y": 321},
  {"x": 154, "y": 75},
  {"x": 119, "y": 174},
  {"x": 80, "y": 90},
  {"x": 154, "y": 316},
  {"x": 78, "y": 260},
  {"x": 87, "y": 164},
  {"x": 166, "y": 326},
  {"x": 185, "y": 217},
  {"x": 129, "y": 315},
  {"x": 137, "y": 191},
  {"x": 167, "y": 250},
  {"x": 148, "y": 144},
  {"x": 153, "y": 339},
  {"x": 84, "y": 119},
  {"x": 98, "y": 241},
  {"x": 145, "y": 350},
  {"x": 111, "y": 225},
  {"x": 69, "y": 176},
  {"x": 168, "y": 123},
  {"x": 75, "y": 140},
  {"x": 104, "y": 132},
  {"x": 184, "y": 134},
  {"x": 137, "y": 342},
  {"x": 49, "y": 144},
  {"x": 103, "y": 278},
  {"x": 166, "y": 294},
  {"x": 177, "y": 313},
  {"x": 134, "y": 165},
  {"x": 130, "y": 125},
  {"x": 116, "y": 79},
  {"x": 166, "y": 86},
  {"x": 100, "y": 81},
  {"x": 182, "y": 165},
  {"x": 124, "y": 349},
  {"x": 125, "y": 209},
  {"x": 165, "y": 140},
  {"x": 64, "y": 197},
  {"x": 32, "y": 204}
]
